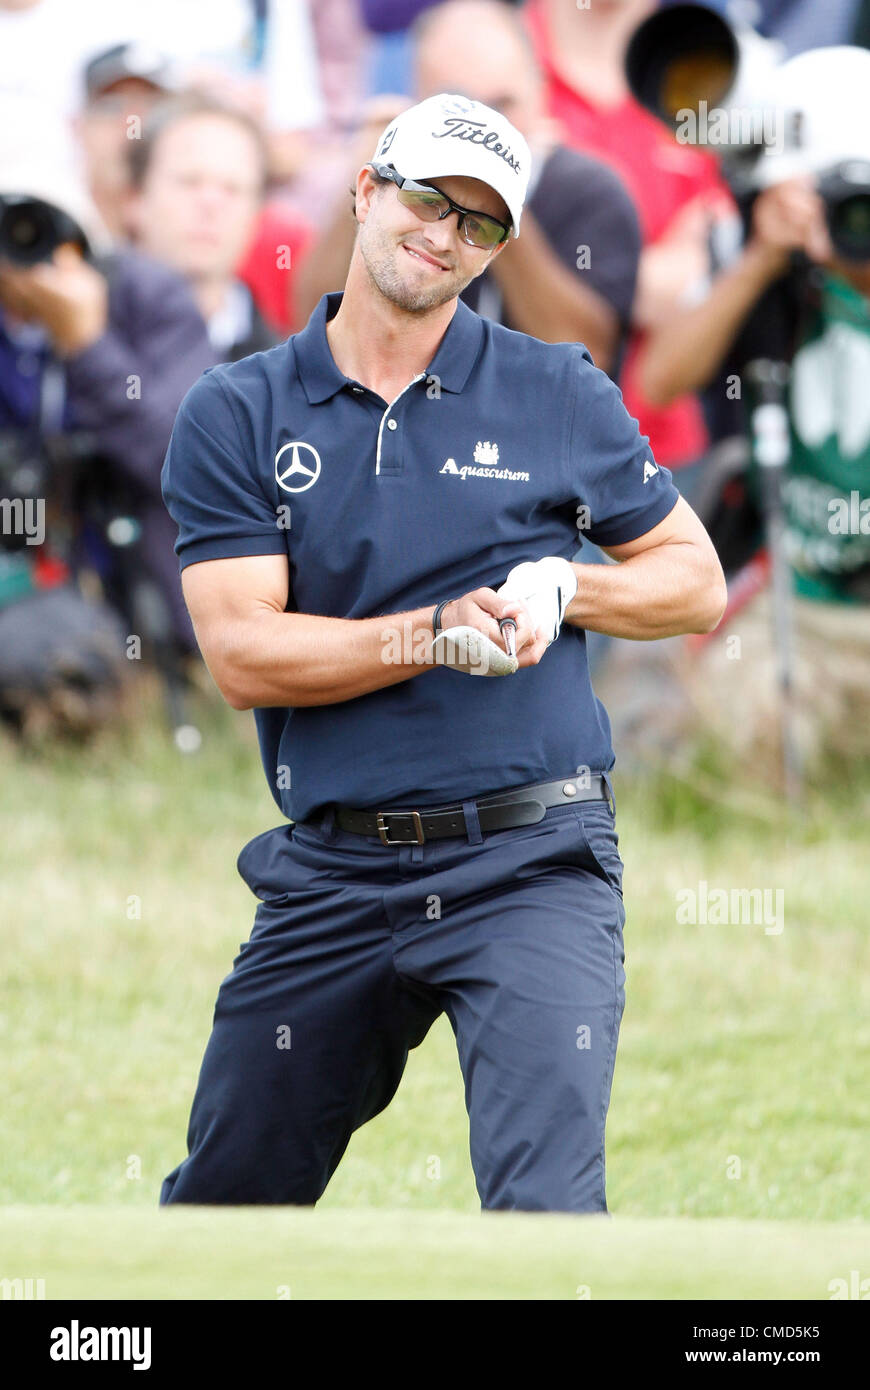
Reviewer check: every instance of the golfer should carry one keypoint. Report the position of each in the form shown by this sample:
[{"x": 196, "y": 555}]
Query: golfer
[{"x": 358, "y": 511}]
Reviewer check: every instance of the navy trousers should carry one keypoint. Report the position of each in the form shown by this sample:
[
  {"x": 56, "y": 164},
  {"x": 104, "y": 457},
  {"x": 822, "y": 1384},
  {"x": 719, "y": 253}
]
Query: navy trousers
[{"x": 356, "y": 948}]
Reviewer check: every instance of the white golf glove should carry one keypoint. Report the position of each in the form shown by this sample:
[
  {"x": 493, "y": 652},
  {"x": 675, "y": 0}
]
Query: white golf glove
[{"x": 546, "y": 587}]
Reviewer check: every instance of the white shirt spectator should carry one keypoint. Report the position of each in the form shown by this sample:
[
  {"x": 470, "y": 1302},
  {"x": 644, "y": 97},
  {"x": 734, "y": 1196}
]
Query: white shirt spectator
[
  {"x": 222, "y": 34},
  {"x": 45, "y": 46}
]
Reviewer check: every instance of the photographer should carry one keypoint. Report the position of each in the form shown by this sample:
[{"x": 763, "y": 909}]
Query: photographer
[
  {"x": 802, "y": 275},
  {"x": 96, "y": 351},
  {"x": 688, "y": 351},
  {"x": 122, "y": 85}
]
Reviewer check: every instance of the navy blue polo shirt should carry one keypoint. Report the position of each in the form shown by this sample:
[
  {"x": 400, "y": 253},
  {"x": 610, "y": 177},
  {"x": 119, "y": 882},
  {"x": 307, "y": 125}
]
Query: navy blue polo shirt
[{"x": 480, "y": 463}]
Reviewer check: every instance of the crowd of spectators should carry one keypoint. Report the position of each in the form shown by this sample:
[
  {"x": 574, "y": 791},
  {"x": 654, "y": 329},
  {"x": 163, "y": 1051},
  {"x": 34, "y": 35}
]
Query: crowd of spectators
[{"x": 203, "y": 150}]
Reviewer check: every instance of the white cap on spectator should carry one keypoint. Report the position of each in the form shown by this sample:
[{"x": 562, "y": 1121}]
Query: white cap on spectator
[
  {"x": 450, "y": 136},
  {"x": 823, "y": 93},
  {"x": 126, "y": 60}
]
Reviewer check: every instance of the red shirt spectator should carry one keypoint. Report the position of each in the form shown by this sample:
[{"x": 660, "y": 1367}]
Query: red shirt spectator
[
  {"x": 663, "y": 177},
  {"x": 270, "y": 263}
]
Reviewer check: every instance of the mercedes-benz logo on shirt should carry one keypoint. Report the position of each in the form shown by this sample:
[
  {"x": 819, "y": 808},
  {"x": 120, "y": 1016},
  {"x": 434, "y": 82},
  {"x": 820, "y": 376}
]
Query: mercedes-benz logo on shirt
[{"x": 297, "y": 466}]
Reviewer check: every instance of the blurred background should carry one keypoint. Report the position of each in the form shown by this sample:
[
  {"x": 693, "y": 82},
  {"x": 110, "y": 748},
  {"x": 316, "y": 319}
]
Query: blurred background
[{"x": 174, "y": 192}]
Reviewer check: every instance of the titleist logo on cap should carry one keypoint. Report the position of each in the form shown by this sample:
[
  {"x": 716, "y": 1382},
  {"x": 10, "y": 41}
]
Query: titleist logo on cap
[{"x": 461, "y": 128}]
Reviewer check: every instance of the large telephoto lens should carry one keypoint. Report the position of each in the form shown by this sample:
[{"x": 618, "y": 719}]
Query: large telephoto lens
[
  {"x": 31, "y": 230},
  {"x": 846, "y": 194},
  {"x": 25, "y": 231}
]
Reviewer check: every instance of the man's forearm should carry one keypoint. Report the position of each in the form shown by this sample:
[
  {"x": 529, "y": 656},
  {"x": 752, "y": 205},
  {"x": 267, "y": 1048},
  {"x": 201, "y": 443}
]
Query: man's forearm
[
  {"x": 663, "y": 592},
  {"x": 300, "y": 659},
  {"x": 685, "y": 353},
  {"x": 543, "y": 297},
  {"x": 297, "y": 659}
]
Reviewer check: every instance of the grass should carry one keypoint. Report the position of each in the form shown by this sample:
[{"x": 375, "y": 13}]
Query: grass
[
  {"x": 740, "y": 1087},
  {"x": 279, "y": 1253}
]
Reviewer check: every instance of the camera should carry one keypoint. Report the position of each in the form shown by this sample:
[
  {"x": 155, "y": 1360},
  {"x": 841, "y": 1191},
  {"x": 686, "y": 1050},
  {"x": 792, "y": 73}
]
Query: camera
[
  {"x": 24, "y": 474},
  {"x": 768, "y": 118},
  {"x": 686, "y": 60},
  {"x": 845, "y": 191},
  {"x": 50, "y": 475},
  {"x": 31, "y": 230}
]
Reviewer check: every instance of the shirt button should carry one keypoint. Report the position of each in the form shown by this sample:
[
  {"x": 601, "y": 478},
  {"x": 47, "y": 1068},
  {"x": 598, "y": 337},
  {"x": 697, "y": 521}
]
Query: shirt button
[
  {"x": 391, "y": 425},
  {"x": 357, "y": 390}
]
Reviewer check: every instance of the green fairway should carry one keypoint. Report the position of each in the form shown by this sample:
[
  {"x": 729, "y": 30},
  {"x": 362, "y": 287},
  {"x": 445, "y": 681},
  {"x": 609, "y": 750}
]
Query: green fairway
[
  {"x": 740, "y": 1087},
  {"x": 283, "y": 1253}
]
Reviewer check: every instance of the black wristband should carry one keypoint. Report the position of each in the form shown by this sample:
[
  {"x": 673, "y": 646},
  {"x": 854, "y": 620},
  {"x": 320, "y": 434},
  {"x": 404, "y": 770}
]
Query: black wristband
[{"x": 436, "y": 616}]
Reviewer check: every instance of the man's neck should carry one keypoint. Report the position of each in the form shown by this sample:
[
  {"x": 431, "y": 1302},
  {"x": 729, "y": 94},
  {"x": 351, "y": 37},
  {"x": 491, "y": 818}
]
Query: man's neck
[
  {"x": 588, "y": 46},
  {"x": 378, "y": 344},
  {"x": 210, "y": 294}
]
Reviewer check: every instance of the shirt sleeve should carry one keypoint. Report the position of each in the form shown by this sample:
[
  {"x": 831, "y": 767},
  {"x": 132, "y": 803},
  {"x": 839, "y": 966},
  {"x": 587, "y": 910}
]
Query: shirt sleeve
[
  {"x": 155, "y": 337},
  {"x": 626, "y": 493},
  {"x": 583, "y": 208},
  {"x": 210, "y": 486}
]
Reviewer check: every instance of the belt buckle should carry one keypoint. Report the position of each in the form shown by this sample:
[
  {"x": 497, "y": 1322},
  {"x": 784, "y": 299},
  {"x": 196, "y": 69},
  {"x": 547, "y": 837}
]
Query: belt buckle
[{"x": 383, "y": 828}]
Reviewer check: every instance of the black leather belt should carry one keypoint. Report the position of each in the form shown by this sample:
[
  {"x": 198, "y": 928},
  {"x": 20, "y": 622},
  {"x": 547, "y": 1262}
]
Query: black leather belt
[{"x": 501, "y": 811}]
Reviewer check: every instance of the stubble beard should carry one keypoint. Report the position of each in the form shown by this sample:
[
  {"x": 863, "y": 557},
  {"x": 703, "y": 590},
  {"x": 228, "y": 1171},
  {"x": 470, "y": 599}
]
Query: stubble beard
[{"x": 381, "y": 259}]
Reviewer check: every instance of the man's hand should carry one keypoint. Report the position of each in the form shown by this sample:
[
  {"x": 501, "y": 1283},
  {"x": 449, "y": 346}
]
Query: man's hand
[
  {"x": 261, "y": 655},
  {"x": 546, "y": 587},
  {"x": 680, "y": 257},
  {"x": 482, "y": 608},
  {"x": 789, "y": 217},
  {"x": 66, "y": 295},
  {"x": 536, "y": 594}
]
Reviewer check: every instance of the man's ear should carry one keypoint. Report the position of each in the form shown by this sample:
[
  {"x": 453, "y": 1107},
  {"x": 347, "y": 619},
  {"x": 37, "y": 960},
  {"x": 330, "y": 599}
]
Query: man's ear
[{"x": 365, "y": 191}]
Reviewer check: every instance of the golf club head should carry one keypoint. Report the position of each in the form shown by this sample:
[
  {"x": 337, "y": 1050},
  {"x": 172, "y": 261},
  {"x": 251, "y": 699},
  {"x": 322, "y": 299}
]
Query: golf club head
[{"x": 468, "y": 650}]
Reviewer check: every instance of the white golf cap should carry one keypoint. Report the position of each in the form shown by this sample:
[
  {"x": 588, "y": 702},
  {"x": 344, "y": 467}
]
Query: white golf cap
[
  {"x": 826, "y": 90},
  {"x": 446, "y": 136}
]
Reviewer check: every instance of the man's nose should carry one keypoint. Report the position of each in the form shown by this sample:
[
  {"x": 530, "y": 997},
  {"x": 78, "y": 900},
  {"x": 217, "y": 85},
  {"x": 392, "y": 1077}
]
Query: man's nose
[
  {"x": 444, "y": 234},
  {"x": 212, "y": 192}
]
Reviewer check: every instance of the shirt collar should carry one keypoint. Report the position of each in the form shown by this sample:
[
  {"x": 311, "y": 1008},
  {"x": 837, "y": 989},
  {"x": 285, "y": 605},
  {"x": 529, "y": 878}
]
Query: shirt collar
[
  {"x": 321, "y": 378},
  {"x": 233, "y": 321}
]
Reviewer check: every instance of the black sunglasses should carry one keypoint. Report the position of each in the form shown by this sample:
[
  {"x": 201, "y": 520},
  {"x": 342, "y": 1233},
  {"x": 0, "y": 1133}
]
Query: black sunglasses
[{"x": 431, "y": 205}]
